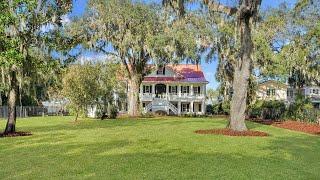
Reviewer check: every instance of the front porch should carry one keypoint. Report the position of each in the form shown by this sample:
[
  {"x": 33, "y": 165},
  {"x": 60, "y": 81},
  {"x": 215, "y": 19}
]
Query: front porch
[{"x": 174, "y": 107}]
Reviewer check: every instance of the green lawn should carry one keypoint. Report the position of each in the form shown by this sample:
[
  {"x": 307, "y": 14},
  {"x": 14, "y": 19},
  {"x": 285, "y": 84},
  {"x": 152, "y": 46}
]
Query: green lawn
[{"x": 157, "y": 148}]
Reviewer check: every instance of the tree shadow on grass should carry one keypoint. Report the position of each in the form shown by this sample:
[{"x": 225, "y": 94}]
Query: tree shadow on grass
[
  {"x": 289, "y": 157},
  {"x": 91, "y": 124}
]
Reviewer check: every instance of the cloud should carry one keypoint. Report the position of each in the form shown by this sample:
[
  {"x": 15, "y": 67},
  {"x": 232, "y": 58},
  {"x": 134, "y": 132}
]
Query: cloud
[
  {"x": 94, "y": 57},
  {"x": 65, "y": 19}
]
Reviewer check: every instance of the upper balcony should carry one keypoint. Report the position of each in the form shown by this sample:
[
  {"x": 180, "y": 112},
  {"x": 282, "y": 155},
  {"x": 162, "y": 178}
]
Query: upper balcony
[
  {"x": 171, "y": 96},
  {"x": 173, "y": 92}
]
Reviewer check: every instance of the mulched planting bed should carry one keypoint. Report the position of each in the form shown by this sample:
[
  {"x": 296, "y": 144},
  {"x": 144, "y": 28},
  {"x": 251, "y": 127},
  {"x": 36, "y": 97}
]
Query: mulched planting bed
[
  {"x": 16, "y": 134},
  {"x": 299, "y": 126},
  {"x": 230, "y": 132}
]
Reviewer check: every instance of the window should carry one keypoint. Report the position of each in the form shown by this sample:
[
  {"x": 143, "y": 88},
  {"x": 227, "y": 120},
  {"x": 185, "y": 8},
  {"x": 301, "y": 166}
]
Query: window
[
  {"x": 200, "y": 106},
  {"x": 173, "y": 89},
  {"x": 143, "y": 105},
  {"x": 185, "y": 89},
  {"x": 271, "y": 92},
  {"x": 147, "y": 89},
  {"x": 196, "y": 90},
  {"x": 315, "y": 91},
  {"x": 161, "y": 70},
  {"x": 185, "y": 107},
  {"x": 290, "y": 93}
]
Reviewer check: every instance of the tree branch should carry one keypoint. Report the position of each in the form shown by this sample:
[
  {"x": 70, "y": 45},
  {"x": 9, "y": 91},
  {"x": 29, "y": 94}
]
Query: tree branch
[{"x": 217, "y": 7}]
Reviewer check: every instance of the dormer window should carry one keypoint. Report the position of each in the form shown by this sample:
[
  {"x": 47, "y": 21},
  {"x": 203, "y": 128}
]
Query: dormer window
[{"x": 161, "y": 71}]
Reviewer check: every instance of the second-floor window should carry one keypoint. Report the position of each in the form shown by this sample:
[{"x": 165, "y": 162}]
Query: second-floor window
[
  {"x": 196, "y": 90},
  {"x": 271, "y": 92},
  {"x": 185, "y": 89},
  {"x": 173, "y": 89},
  {"x": 147, "y": 89}
]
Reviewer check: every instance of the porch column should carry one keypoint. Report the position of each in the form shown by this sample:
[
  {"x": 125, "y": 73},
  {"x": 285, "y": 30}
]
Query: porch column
[
  {"x": 203, "y": 107},
  {"x": 141, "y": 89},
  {"x": 191, "y": 106},
  {"x": 153, "y": 90},
  {"x": 204, "y": 90},
  {"x": 167, "y": 91},
  {"x": 179, "y": 107},
  {"x": 179, "y": 90},
  {"x": 191, "y": 90}
]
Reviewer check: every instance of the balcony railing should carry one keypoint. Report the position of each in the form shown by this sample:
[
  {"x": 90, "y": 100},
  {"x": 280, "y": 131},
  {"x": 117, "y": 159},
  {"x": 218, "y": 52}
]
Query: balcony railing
[{"x": 170, "y": 96}]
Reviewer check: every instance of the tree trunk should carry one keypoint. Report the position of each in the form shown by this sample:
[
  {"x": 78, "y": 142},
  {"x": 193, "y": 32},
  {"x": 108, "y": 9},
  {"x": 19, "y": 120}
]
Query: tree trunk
[
  {"x": 3, "y": 82},
  {"x": 245, "y": 17},
  {"x": 11, "y": 123},
  {"x": 105, "y": 104},
  {"x": 133, "y": 96},
  {"x": 0, "y": 98},
  {"x": 77, "y": 114}
]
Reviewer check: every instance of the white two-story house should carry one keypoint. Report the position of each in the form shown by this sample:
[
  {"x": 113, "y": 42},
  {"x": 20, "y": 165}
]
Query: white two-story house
[
  {"x": 174, "y": 89},
  {"x": 272, "y": 90}
]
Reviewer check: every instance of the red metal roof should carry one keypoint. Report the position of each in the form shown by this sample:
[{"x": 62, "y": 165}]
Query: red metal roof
[{"x": 185, "y": 72}]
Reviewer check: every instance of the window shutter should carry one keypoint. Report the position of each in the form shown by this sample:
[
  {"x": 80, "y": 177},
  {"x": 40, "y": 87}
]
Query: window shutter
[
  {"x": 199, "y": 90},
  {"x": 144, "y": 89},
  {"x": 200, "y": 106},
  {"x": 188, "y": 89},
  {"x": 169, "y": 89},
  {"x": 150, "y": 89},
  {"x": 164, "y": 71}
]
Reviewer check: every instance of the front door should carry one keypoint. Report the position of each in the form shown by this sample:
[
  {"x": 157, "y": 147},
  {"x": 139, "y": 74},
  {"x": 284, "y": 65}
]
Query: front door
[{"x": 160, "y": 90}]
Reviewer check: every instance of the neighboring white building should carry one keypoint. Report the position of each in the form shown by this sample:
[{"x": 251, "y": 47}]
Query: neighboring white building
[
  {"x": 275, "y": 90},
  {"x": 311, "y": 92},
  {"x": 174, "y": 89},
  {"x": 272, "y": 90}
]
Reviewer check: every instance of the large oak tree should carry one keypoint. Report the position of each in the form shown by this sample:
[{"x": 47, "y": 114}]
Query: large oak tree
[
  {"x": 245, "y": 14},
  {"x": 24, "y": 27},
  {"x": 137, "y": 34}
]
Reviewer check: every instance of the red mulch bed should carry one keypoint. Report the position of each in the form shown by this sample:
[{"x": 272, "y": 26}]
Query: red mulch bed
[
  {"x": 310, "y": 128},
  {"x": 299, "y": 126},
  {"x": 16, "y": 134},
  {"x": 230, "y": 132}
]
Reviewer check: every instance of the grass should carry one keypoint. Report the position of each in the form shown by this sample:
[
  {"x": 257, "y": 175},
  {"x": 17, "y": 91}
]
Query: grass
[{"x": 157, "y": 148}]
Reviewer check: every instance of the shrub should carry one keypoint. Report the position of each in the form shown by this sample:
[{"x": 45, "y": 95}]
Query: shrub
[
  {"x": 112, "y": 112},
  {"x": 216, "y": 109},
  {"x": 225, "y": 107},
  {"x": 273, "y": 110},
  {"x": 255, "y": 110},
  {"x": 303, "y": 110},
  {"x": 268, "y": 110},
  {"x": 147, "y": 115},
  {"x": 221, "y": 108},
  {"x": 209, "y": 109}
]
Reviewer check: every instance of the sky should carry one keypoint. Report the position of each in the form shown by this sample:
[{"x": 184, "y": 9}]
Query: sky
[{"x": 209, "y": 69}]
